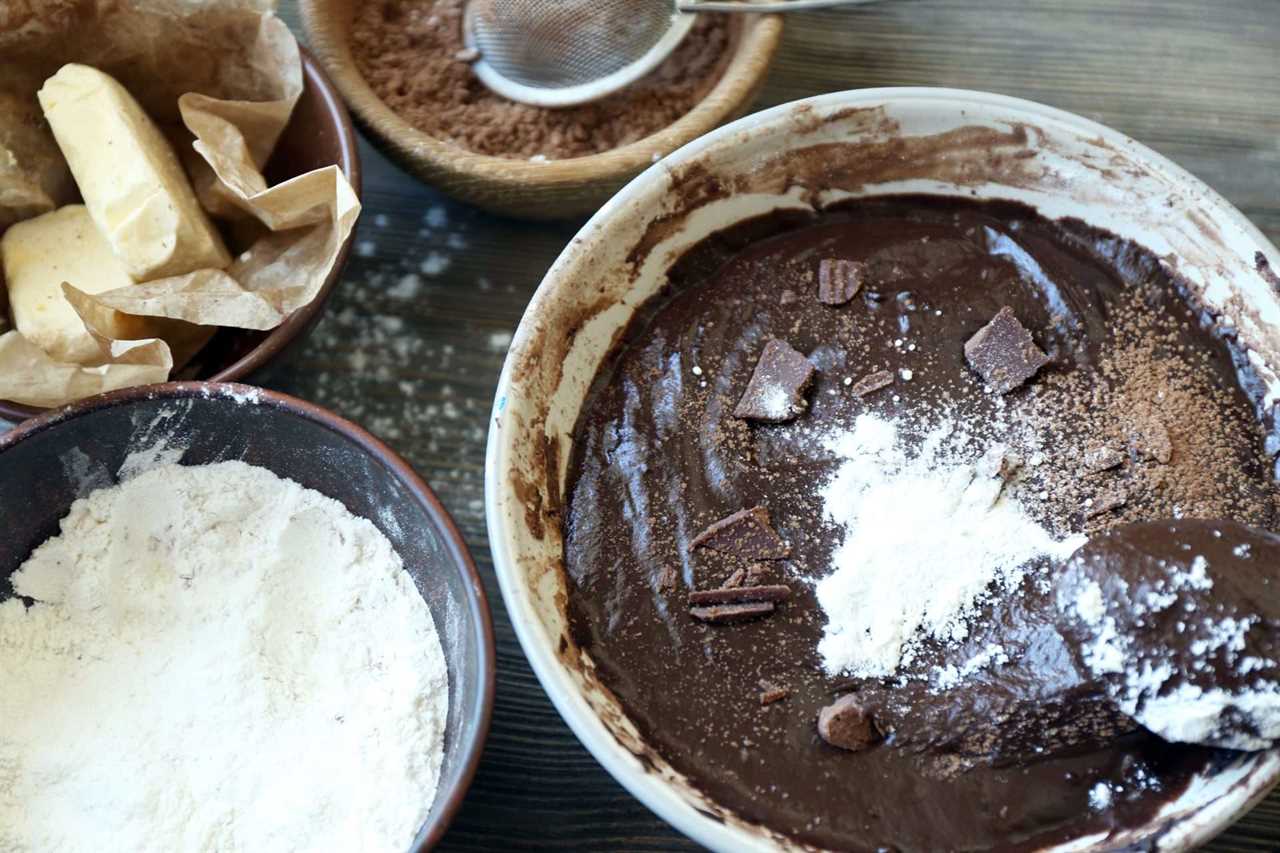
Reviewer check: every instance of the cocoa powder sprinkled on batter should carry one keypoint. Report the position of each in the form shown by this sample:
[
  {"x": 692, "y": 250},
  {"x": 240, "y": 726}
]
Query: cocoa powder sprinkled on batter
[
  {"x": 1149, "y": 386},
  {"x": 411, "y": 54}
]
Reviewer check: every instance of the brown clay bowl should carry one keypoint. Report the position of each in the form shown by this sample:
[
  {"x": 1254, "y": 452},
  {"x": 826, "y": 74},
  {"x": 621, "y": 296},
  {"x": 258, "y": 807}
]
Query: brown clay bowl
[
  {"x": 319, "y": 134},
  {"x": 555, "y": 190},
  {"x": 295, "y": 439}
]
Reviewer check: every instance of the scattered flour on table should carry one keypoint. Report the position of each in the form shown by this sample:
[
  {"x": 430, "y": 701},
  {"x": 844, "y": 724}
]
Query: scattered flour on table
[
  {"x": 218, "y": 659},
  {"x": 435, "y": 263},
  {"x": 927, "y": 536},
  {"x": 381, "y": 356}
]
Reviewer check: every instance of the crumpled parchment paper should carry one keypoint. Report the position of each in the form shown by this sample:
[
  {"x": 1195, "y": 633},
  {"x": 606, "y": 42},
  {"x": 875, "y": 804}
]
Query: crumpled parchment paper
[{"x": 221, "y": 78}]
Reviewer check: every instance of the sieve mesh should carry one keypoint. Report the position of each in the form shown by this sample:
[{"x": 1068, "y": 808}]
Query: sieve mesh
[{"x": 557, "y": 44}]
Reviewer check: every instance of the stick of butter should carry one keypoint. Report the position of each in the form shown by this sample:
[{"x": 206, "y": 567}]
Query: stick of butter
[
  {"x": 38, "y": 256},
  {"x": 130, "y": 177}
]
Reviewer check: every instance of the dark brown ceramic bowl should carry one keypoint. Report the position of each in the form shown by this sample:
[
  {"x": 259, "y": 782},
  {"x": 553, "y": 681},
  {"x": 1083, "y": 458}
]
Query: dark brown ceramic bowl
[
  {"x": 49, "y": 461},
  {"x": 319, "y": 134}
]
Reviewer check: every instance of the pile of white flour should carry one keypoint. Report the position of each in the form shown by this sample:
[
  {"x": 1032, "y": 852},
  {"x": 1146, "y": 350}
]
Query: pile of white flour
[
  {"x": 218, "y": 660},
  {"x": 927, "y": 537}
]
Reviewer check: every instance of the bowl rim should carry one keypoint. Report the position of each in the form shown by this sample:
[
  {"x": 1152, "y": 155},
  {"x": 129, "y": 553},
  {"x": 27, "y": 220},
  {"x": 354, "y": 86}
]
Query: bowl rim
[
  {"x": 648, "y": 788},
  {"x": 298, "y": 324},
  {"x": 455, "y": 546},
  {"x": 331, "y": 42}
]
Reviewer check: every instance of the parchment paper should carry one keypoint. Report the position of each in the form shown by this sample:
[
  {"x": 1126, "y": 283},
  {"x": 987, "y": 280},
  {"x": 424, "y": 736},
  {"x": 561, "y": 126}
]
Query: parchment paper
[{"x": 221, "y": 77}]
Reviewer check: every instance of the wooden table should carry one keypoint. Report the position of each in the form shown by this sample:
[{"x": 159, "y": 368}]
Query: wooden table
[{"x": 414, "y": 339}]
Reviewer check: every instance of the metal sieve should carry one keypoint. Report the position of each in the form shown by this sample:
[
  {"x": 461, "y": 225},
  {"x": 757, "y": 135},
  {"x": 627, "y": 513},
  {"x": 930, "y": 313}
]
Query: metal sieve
[{"x": 556, "y": 53}]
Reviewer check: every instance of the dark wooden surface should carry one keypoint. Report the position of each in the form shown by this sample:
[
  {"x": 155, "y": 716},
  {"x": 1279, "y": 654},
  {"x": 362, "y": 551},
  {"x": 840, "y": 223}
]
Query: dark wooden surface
[{"x": 414, "y": 339}]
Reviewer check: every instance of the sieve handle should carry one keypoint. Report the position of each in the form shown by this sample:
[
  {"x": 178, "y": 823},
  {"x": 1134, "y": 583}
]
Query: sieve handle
[{"x": 748, "y": 6}]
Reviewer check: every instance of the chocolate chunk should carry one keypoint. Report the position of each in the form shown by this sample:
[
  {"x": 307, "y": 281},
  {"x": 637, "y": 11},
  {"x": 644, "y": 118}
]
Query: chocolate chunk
[
  {"x": 1105, "y": 503},
  {"x": 720, "y": 614},
  {"x": 746, "y": 534},
  {"x": 1003, "y": 353},
  {"x": 773, "y": 694},
  {"x": 1102, "y": 459},
  {"x": 872, "y": 382},
  {"x": 736, "y": 579},
  {"x": 839, "y": 280},
  {"x": 846, "y": 725},
  {"x": 756, "y": 573},
  {"x": 776, "y": 391},
  {"x": 735, "y": 595}
]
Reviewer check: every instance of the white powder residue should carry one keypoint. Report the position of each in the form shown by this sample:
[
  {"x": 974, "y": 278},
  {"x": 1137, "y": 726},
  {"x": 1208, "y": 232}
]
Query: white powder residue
[
  {"x": 1090, "y": 605},
  {"x": 436, "y": 216},
  {"x": 218, "y": 660},
  {"x": 500, "y": 341},
  {"x": 406, "y": 287},
  {"x": 435, "y": 263},
  {"x": 1100, "y": 796},
  {"x": 776, "y": 403},
  {"x": 1150, "y": 690},
  {"x": 1188, "y": 713},
  {"x": 243, "y": 395},
  {"x": 144, "y": 459},
  {"x": 926, "y": 539},
  {"x": 950, "y": 676}
]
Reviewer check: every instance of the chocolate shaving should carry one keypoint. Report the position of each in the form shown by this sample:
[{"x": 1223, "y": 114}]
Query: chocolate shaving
[
  {"x": 773, "y": 694},
  {"x": 1102, "y": 459},
  {"x": 1003, "y": 352},
  {"x": 720, "y": 614},
  {"x": 775, "y": 392},
  {"x": 735, "y": 595},
  {"x": 846, "y": 725},
  {"x": 839, "y": 280},
  {"x": 747, "y": 534},
  {"x": 872, "y": 382},
  {"x": 1105, "y": 503},
  {"x": 736, "y": 579}
]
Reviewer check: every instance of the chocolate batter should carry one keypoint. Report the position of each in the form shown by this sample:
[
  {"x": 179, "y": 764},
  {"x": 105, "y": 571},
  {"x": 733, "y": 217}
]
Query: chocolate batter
[
  {"x": 1135, "y": 378},
  {"x": 1195, "y": 595}
]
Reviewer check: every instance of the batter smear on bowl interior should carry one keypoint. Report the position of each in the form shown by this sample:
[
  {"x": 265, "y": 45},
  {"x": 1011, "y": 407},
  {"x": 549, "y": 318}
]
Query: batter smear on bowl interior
[{"x": 821, "y": 495}]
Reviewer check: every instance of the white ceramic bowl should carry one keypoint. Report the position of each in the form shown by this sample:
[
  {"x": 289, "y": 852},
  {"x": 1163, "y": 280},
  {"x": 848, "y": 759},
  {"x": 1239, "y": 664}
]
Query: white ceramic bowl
[{"x": 798, "y": 155}]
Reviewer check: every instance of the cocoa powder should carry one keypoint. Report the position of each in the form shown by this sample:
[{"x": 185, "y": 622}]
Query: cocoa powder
[{"x": 411, "y": 52}]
